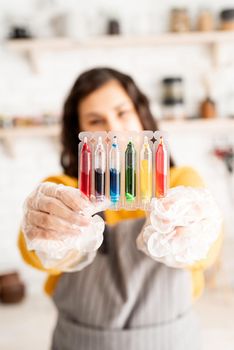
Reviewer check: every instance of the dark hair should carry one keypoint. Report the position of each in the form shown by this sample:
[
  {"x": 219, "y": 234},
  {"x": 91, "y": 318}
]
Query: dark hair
[{"x": 85, "y": 84}]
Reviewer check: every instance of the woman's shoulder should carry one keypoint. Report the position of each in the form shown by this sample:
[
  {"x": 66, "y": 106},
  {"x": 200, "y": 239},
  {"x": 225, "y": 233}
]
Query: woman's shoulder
[
  {"x": 185, "y": 176},
  {"x": 62, "y": 179}
]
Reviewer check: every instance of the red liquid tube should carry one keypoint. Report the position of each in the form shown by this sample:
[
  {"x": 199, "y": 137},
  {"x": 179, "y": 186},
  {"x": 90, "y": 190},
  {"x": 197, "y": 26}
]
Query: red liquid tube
[
  {"x": 161, "y": 169},
  {"x": 85, "y": 169}
]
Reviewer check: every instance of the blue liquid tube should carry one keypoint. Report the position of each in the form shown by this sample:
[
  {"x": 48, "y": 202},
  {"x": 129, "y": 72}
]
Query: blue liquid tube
[{"x": 115, "y": 167}]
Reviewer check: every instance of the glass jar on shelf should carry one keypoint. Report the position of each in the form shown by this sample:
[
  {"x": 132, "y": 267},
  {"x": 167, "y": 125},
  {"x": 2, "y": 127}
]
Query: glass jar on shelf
[
  {"x": 227, "y": 19},
  {"x": 180, "y": 20},
  {"x": 205, "y": 21},
  {"x": 173, "y": 98}
]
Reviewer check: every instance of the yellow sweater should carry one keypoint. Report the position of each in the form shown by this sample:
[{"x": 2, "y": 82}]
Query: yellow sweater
[{"x": 178, "y": 176}]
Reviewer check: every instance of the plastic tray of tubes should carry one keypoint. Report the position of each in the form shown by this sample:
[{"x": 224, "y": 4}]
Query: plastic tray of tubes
[{"x": 129, "y": 168}]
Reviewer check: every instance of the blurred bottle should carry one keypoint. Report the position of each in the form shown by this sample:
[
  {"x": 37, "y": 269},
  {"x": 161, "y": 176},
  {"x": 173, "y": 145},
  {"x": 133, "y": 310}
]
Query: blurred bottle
[
  {"x": 180, "y": 20},
  {"x": 113, "y": 27},
  {"x": 205, "y": 21},
  {"x": 208, "y": 108}
]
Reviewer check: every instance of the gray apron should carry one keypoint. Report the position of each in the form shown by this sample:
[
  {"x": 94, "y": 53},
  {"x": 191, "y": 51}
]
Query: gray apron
[{"x": 125, "y": 300}]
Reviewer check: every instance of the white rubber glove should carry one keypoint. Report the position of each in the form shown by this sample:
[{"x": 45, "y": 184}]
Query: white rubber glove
[
  {"x": 58, "y": 225},
  {"x": 181, "y": 227}
]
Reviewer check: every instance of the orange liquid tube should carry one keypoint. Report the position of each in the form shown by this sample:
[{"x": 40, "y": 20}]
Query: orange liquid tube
[
  {"x": 161, "y": 169},
  {"x": 85, "y": 169}
]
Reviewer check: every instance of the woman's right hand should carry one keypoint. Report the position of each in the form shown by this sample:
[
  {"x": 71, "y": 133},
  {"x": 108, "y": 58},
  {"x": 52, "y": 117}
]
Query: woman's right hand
[
  {"x": 54, "y": 211},
  {"x": 58, "y": 219}
]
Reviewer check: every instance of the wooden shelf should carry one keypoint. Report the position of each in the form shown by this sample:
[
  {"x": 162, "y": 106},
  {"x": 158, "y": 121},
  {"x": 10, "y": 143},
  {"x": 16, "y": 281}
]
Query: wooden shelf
[
  {"x": 32, "y": 47},
  {"x": 40, "y": 44},
  {"x": 210, "y": 126},
  {"x": 193, "y": 125},
  {"x": 51, "y": 131},
  {"x": 121, "y": 40},
  {"x": 8, "y": 136},
  {"x": 218, "y": 126}
]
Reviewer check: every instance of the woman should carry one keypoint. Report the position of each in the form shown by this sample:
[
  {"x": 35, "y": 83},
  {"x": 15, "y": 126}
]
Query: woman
[{"x": 115, "y": 297}]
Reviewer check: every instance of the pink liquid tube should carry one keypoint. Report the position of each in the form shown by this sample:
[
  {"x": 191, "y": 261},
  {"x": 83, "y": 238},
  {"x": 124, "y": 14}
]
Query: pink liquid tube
[
  {"x": 161, "y": 169},
  {"x": 85, "y": 169}
]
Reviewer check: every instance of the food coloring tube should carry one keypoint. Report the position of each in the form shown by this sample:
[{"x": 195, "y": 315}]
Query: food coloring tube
[
  {"x": 85, "y": 169},
  {"x": 130, "y": 172},
  {"x": 146, "y": 171},
  {"x": 161, "y": 169},
  {"x": 100, "y": 170},
  {"x": 115, "y": 171}
]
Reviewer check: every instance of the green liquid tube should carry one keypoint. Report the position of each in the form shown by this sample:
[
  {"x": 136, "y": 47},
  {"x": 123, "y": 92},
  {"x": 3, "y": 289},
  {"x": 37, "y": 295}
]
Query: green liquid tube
[{"x": 130, "y": 172}]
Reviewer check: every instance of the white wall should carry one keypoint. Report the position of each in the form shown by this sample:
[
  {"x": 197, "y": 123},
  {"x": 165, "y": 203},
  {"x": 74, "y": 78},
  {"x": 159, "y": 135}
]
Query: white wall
[
  {"x": 34, "y": 160},
  {"x": 147, "y": 65},
  {"x": 23, "y": 92}
]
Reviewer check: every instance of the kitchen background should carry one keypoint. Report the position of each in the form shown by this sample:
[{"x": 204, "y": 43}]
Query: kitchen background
[{"x": 35, "y": 75}]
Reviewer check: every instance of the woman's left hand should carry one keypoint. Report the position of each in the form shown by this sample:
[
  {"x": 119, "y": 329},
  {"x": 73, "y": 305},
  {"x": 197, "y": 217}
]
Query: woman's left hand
[{"x": 181, "y": 227}]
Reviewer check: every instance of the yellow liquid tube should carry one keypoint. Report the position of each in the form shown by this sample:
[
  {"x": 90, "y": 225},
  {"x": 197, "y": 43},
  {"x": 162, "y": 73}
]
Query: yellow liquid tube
[{"x": 146, "y": 172}]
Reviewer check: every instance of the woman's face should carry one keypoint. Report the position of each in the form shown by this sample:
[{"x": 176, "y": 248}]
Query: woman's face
[{"x": 108, "y": 108}]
